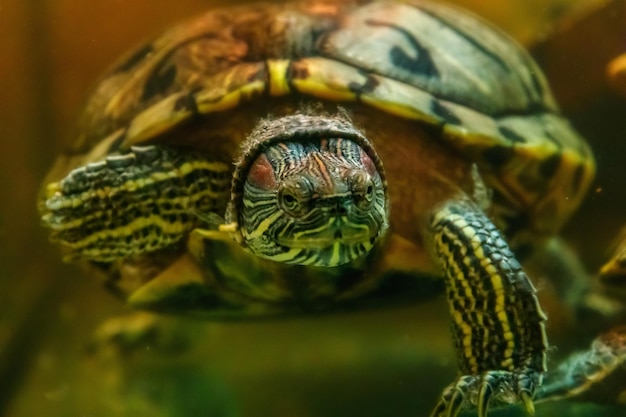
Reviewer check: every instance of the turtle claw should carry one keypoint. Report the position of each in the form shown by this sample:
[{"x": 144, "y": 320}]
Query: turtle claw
[
  {"x": 439, "y": 409},
  {"x": 456, "y": 402},
  {"x": 454, "y": 398},
  {"x": 490, "y": 390},
  {"x": 527, "y": 403},
  {"x": 484, "y": 396}
]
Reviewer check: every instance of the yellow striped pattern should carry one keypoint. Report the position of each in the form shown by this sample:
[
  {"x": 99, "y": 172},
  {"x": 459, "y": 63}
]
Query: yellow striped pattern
[
  {"x": 497, "y": 320},
  {"x": 123, "y": 206}
]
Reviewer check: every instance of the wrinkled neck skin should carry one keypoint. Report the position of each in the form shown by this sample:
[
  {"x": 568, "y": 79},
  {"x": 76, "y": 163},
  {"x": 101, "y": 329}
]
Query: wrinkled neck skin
[{"x": 318, "y": 202}]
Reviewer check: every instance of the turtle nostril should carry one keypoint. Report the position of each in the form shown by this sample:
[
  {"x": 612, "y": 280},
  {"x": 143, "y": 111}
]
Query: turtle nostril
[
  {"x": 338, "y": 210},
  {"x": 338, "y": 235},
  {"x": 335, "y": 207}
]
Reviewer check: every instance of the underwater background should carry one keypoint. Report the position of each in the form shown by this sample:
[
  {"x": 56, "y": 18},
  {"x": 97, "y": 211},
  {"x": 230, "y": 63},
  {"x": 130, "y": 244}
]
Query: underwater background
[{"x": 392, "y": 362}]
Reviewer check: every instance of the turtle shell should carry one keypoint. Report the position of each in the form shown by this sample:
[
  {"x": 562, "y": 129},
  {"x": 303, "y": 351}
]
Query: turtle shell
[{"x": 445, "y": 69}]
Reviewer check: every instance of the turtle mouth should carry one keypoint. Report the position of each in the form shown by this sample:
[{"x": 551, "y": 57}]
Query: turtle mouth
[
  {"x": 338, "y": 231},
  {"x": 310, "y": 243}
]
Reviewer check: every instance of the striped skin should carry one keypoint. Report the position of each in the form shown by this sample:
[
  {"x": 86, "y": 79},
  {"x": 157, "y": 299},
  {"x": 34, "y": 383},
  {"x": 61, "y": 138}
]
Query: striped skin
[
  {"x": 319, "y": 203},
  {"x": 135, "y": 203},
  {"x": 497, "y": 322}
]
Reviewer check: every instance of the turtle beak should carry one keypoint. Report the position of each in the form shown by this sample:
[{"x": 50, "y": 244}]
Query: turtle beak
[{"x": 338, "y": 229}]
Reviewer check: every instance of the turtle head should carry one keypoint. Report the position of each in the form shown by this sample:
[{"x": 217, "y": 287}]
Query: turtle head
[{"x": 311, "y": 195}]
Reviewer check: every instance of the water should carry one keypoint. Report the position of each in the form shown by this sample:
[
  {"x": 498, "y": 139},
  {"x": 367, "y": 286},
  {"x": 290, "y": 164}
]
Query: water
[{"x": 373, "y": 363}]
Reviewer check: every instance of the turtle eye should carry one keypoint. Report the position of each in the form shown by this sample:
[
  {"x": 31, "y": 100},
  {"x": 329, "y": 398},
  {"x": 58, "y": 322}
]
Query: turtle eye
[
  {"x": 293, "y": 199},
  {"x": 363, "y": 198},
  {"x": 289, "y": 201},
  {"x": 362, "y": 189}
]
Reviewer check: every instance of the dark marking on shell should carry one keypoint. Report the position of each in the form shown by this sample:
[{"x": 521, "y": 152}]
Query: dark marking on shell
[
  {"x": 531, "y": 109},
  {"x": 141, "y": 54},
  {"x": 537, "y": 86},
  {"x": 476, "y": 43},
  {"x": 186, "y": 103},
  {"x": 297, "y": 71},
  {"x": 261, "y": 75},
  {"x": 534, "y": 92},
  {"x": 159, "y": 82},
  {"x": 368, "y": 86},
  {"x": 445, "y": 113},
  {"x": 422, "y": 64},
  {"x": 511, "y": 135},
  {"x": 252, "y": 95},
  {"x": 550, "y": 136},
  {"x": 535, "y": 98},
  {"x": 498, "y": 156},
  {"x": 549, "y": 166}
]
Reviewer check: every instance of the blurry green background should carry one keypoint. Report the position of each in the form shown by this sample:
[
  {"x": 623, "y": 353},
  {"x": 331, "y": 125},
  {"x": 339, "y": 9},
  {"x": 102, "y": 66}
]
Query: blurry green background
[{"x": 380, "y": 363}]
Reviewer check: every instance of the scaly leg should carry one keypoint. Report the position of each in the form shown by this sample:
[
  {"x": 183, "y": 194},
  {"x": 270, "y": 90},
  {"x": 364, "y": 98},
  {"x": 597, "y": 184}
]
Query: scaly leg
[
  {"x": 498, "y": 324},
  {"x": 133, "y": 203}
]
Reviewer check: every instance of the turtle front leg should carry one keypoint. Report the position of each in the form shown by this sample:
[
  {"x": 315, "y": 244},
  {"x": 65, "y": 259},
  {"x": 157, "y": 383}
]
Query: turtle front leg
[
  {"x": 128, "y": 204},
  {"x": 497, "y": 322}
]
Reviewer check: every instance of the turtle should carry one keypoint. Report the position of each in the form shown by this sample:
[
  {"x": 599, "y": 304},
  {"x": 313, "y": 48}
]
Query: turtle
[{"x": 321, "y": 155}]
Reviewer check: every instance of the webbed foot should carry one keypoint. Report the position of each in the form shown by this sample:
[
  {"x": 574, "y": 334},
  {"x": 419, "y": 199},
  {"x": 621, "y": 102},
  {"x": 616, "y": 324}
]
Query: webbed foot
[{"x": 489, "y": 390}]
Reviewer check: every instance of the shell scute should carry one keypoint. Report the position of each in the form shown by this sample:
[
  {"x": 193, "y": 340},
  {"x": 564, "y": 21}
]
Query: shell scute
[{"x": 443, "y": 53}]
